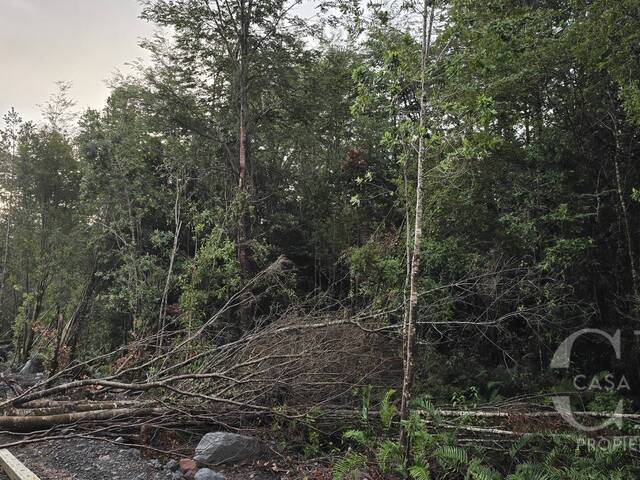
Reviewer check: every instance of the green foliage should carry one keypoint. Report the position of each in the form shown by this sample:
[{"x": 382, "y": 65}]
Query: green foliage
[
  {"x": 211, "y": 276},
  {"x": 349, "y": 466},
  {"x": 477, "y": 471},
  {"x": 419, "y": 473},
  {"x": 357, "y": 436},
  {"x": 366, "y": 403},
  {"x": 387, "y": 409},
  {"x": 389, "y": 455},
  {"x": 451, "y": 457}
]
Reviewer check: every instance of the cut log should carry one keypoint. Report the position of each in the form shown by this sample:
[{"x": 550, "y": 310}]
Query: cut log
[
  {"x": 32, "y": 423},
  {"x": 71, "y": 407},
  {"x": 14, "y": 468}
]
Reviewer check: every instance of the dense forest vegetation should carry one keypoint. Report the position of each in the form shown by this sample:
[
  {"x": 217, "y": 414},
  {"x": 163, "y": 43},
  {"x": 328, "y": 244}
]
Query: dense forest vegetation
[{"x": 255, "y": 136}]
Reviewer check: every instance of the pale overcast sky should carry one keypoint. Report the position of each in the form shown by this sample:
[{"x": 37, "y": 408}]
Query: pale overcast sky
[{"x": 82, "y": 41}]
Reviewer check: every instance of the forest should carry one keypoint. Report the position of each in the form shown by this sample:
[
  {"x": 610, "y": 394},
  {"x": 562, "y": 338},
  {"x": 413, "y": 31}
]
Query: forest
[{"x": 362, "y": 236}]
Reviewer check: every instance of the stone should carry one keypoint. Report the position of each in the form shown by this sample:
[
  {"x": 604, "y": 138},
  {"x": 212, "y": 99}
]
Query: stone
[
  {"x": 29, "y": 368},
  {"x": 104, "y": 458},
  {"x": 187, "y": 464},
  {"x": 175, "y": 476},
  {"x": 119, "y": 440},
  {"x": 208, "y": 474},
  {"x": 190, "y": 475},
  {"x": 172, "y": 465},
  {"x": 222, "y": 447},
  {"x": 155, "y": 463}
]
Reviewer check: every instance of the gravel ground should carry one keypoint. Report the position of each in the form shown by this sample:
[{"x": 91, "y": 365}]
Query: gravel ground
[
  {"x": 85, "y": 459},
  {"x": 80, "y": 459}
]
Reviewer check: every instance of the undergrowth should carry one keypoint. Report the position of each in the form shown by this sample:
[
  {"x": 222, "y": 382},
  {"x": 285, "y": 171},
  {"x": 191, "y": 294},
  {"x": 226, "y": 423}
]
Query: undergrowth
[{"x": 435, "y": 452}]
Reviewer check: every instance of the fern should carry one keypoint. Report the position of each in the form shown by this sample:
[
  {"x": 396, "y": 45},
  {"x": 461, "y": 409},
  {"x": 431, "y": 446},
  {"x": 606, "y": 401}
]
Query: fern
[
  {"x": 387, "y": 410},
  {"x": 357, "y": 436},
  {"x": 451, "y": 457},
  {"x": 478, "y": 471},
  {"x": 366, "y": 403},
  {"x": 388, "y": 453},
  {"x": 350, "y": 464},
  {"x": 423, "y": 403},
  {"x": 527, "y": 471},
  {"x": 419, "y": 473},
  {"x": 522, "y": 442}
]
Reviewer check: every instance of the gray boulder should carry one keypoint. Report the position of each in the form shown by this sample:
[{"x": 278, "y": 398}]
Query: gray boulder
[
  {"x": 222, "y": 447},
  {"x": 208, "y": 474}
]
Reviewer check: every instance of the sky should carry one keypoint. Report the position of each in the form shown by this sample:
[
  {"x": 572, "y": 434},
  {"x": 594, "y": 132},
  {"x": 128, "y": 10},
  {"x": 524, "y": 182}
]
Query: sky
[{"x": 81, "y": 41}]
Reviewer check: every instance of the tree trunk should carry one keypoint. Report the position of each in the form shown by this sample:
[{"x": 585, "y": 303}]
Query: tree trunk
[
  {"x": 5, "y": 260},
  {"x": 174, "y": 250},
  {"x": 244, "y": 140},
  {"x": 69, "y": 330},
  {"x": 411, "y": 318},
  {"x": 625, "y": 218}
]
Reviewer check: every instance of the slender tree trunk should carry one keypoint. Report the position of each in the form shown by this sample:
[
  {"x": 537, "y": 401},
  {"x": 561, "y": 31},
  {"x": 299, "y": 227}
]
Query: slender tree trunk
[
  {"x": 174, "y": 250},
  {"x": 243, "y": 156},
  {"x": 5, "y": 259},
  {"x": 625, "y": 218},
  {"x": 137, "y": 323},
  {"x": 411, "y": 318},
  {"x": 32, "y": 318},
  {"x": 68, "y": 332}
]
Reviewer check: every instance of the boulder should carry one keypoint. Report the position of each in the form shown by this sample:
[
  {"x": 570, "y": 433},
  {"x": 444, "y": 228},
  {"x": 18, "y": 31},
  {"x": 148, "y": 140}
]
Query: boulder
[
  {"x": 208, "y": 474},
  {"x": 222, "y": 447}
]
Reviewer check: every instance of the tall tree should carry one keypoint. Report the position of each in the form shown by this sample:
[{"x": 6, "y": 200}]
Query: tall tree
[
  {"x": 228, "y": 46},
  {"x": 411, "y": 317}
]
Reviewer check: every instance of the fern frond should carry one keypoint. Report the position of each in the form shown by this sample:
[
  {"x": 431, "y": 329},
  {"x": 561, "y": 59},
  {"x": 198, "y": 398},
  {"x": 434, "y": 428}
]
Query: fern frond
[
  {"x": 357, "y": 436},
  {"x": 419, "y": 473},
  {"x": 388, "y": 453},
  {"x": 387, "y": 409},
  {"x": 478, "y": 471},
  {"x": 451, "y": 457},
  {"x": 366, "y": 403},
  {"x": 528, "y": 471},
  {"x": 351, "y": 463}
]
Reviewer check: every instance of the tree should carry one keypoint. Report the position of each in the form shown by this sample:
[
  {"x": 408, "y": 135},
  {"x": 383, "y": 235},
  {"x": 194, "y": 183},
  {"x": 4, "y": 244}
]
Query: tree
[
  {"x": 411, "y": 318},
  {"x": 228, "y": 46}
]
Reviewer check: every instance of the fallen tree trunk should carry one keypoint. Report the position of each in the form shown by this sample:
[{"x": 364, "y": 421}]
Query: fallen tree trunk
[
  {"x": 72, "y": 404},
  {"x": 545, "y": 414},
  {"x": 30, "y": 423},
  {"x": 75, "y": 407}
]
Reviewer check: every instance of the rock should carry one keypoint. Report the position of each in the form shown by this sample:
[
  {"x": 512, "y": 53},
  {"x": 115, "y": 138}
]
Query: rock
[
  {"x": 190, "y": 475},
  {"x": 29, "y": 368},
  {"x": 119, "y": 440},
  {"x": 187, "y": 464},
  {"x": 175, "y": 476},
  {"x": 221, "y": 447},
  {"x": 172, "y": 465},
  {"x": 104, "y": 458},
  {"x": 155, "y": 463},
  {"x": 208, "y": 474}
]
